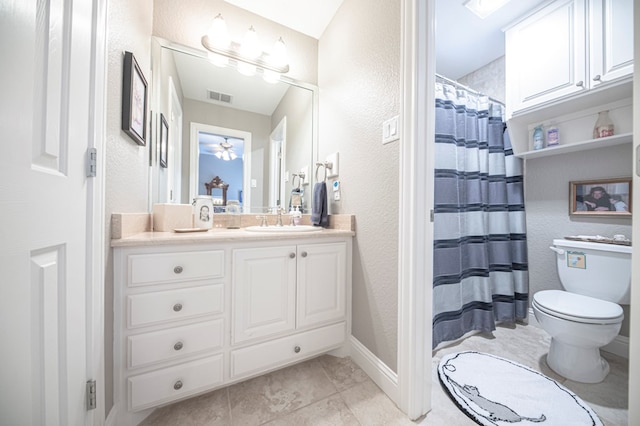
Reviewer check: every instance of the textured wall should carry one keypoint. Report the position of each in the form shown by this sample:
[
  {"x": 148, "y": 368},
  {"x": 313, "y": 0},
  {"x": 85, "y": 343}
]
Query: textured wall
[
  {"x": 489, "y": 80},
  {"x": 359, "y": 79},
  {"x": 186, "y": 21},
  {"x": 127, "y": 164}
]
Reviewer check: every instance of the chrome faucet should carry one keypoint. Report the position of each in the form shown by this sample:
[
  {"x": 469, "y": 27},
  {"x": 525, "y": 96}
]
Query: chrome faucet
[
  {"x": 279, "y": 221},
  {"x": 263, "y": 219}
]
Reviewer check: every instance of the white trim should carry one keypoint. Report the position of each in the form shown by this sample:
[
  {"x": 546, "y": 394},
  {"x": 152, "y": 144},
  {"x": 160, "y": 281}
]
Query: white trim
[
  {"x": 415, "y": 267},
  {"x": 378, "y": 371},
  {"x": 112, "y": 417},
  {"x": 95, "y": 212}
]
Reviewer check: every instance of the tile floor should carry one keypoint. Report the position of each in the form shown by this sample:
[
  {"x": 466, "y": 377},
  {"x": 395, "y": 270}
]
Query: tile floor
[{"x": 334, "y": 391}]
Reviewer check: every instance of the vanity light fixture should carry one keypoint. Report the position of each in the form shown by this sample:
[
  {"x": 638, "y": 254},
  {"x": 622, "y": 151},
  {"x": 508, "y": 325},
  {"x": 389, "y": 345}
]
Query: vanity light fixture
[
  {"x": 248, "y": 56},
  {"x": 484, "y": 8}
]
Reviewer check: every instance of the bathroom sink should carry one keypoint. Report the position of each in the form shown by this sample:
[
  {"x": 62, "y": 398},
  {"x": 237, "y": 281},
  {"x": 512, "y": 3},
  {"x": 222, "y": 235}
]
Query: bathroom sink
[{"x": 286, "y": 228}]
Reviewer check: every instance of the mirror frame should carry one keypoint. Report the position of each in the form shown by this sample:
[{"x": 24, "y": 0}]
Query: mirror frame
[{"x": 157, "y": 44}]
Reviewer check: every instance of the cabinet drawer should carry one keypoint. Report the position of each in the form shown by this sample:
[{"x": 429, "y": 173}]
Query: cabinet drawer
[
  {"x": 146, "y": 269},
  {"x": 150, "y": 308},
  {"x": 281, "y": 351},
  {"x": 151, "y": 389},
  {"x": 175, "y": 342}
]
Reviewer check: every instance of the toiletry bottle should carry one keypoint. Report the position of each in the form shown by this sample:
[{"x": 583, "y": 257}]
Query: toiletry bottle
[
  {"x": 233, "y": 214},
  {"x": 553, "y": 136},
  {"x": 604, "y": 126},
  {"x": 538, "y": 138},
  {"x": 297, "y": 216}
]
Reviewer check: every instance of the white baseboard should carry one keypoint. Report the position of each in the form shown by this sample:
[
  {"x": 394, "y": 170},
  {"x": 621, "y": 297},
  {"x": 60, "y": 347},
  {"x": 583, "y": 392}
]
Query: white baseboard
[
  {"x": 378, "y": 371},
  {"x": 619, "y": 346}
]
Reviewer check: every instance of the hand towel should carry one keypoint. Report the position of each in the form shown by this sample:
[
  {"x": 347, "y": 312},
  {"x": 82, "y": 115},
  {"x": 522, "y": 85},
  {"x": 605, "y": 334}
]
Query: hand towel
[{"x": 319, "y": 205}]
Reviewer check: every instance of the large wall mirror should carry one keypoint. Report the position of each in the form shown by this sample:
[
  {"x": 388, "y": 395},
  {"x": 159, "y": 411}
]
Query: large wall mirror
[{"x": 256, "y": 136}]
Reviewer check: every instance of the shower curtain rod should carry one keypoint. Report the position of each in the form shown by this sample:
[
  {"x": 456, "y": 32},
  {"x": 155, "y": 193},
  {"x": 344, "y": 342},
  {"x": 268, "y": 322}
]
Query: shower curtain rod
[{"x": 468, "y": 89}]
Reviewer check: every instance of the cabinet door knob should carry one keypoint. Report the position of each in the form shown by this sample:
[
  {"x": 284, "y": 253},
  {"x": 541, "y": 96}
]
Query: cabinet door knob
[
  {"x": 177, "y": 307},
  {"x": 580, "y": 83},
  {"x": 178, "y": 269},
  {"x": 304, "y": 254},
  {"x": 178, "y": 346},
  {"x": 296, "y": 349},
  {"x": 292, "y": 255},
  {"x": 177, "y": 385},
  {"x": 597, "y": 78}
]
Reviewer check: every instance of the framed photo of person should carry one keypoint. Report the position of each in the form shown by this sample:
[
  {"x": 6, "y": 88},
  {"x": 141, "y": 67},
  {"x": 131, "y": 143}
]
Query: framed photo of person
[
  {"x": 134, "y": 100},
  {"x": 602, "y": 197},
  {"x": 164, "y": 140}
]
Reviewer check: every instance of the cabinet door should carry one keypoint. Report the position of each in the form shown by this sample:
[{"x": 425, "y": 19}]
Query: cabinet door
[
  {"x": 611, "y": 40},
  {"x": 321, "y": 283},
  {"x": 546, "y": 55},
  {"x": 264, "y": 285}
]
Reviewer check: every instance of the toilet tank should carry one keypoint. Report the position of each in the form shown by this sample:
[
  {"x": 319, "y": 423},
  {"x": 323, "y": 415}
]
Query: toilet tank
[{"x": 598, "y": 270}]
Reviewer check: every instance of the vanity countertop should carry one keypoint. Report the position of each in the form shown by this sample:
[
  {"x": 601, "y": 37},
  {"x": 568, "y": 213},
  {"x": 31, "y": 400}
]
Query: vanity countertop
[
  {"x": 217, "y": 235},
  {"x": 132, "y": 229}
]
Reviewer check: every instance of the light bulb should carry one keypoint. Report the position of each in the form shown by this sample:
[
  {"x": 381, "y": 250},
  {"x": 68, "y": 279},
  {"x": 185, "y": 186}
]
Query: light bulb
[
  {"x": 218, "y": 35},
  {"x": 278, "y": 57},
  {"x": 225, "y": 155},
  {"x": 250, "y": 45},
  {"x": 218, "y": 154},
  {"x": 233, "y": 155},
  {"x": 218, "y": 60}
]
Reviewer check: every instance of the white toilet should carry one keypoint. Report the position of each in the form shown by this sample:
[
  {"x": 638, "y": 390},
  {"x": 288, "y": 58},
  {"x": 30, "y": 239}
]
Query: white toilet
[{"x": 585, "y": 317}]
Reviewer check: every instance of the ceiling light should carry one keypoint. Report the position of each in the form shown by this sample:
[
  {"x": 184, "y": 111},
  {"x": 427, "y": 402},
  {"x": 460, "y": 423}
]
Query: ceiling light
[
  {"x": 484, "y": 8},
  {"x": 226, "y": 151},
  {"x": 249, "y": 55}
]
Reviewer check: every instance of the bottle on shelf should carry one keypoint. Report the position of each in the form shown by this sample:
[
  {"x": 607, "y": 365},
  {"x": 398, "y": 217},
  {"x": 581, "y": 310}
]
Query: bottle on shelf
[
  {"x": 603, "y": 126},
  {"x": 538, "y": 138}
]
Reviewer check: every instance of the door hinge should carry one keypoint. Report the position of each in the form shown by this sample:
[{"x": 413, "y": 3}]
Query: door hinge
[
  {"x": 92, "y": 160},
  {"x": 91, "y": 395},
  {"x": 431, "y": 215}
]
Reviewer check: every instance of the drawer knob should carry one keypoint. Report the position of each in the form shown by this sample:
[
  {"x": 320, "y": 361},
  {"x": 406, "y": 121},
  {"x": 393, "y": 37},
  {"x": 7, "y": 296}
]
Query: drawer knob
[
  {"x": 292, "y": 255},
  {"x": 597, "y": 78},
  {"x": 177, "y": 385},
  {"x": 304, "y": 254},
  {"x": 580, "y": 83},
  {"x": 178, "y": 269},
  {"x": 177, "y": 307},
  {"x": 178, "y": 346},
  {"x": 297, "y": 349}
]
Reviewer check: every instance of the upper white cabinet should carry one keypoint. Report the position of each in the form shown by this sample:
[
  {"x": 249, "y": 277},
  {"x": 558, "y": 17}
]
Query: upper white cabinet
[{"x": 566, "y": 49}]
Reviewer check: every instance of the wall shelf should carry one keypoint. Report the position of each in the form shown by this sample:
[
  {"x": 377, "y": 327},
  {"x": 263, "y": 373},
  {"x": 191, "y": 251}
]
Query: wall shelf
[{"x": 578, "y": 146}]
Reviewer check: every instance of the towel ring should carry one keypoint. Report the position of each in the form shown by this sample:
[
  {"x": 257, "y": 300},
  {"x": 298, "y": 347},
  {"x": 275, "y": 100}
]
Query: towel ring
[
  {"x": 326, "y": 165},
  {"x": 293, "y": 180}
]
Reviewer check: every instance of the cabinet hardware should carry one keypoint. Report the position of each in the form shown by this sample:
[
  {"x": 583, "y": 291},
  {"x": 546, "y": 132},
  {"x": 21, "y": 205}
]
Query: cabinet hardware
[
  {"x": 178, "y": 269},
  {"x": 580, "y": 83},
  {"x": 292, "y": 255},
  {"x": 177, "y": 385},
  {"x": 178, "y": 346},
  {"x": 304, "y": 254},
  {"x": 296, "y": 349},
  {"x": 177, "y": 307},
  {"x": 597, "y": 78}
]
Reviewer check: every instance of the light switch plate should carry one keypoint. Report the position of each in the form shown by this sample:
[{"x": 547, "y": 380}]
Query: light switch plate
[
  {"x": 390, "y": 130},
  {"x": 335, "y": 165}
]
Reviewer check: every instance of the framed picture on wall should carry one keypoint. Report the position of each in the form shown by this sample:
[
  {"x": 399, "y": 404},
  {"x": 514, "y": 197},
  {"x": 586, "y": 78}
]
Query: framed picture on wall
[
  {"x": 134, "y": 100},
  {"x": 602, "y": 197},
  {"x": 164, "y": 140}
]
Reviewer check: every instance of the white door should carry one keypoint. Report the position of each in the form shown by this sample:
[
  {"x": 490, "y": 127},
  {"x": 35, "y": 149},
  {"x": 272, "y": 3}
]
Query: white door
[{"x": 45, "y": 103}]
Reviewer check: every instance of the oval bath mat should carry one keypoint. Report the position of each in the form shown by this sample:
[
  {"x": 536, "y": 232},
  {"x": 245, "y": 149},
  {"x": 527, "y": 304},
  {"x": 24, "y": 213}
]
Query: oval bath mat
[{"x": 495, "y": 391}]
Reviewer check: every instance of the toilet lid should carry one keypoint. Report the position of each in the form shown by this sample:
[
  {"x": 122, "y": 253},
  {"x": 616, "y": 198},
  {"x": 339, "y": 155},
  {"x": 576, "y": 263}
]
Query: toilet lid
[{"x": 576, "y": 307}]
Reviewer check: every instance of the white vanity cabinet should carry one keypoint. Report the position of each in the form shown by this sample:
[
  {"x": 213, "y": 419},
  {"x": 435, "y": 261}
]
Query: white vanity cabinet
[
  {"x": 566, "y": 49},
  {"x": 295, "y": 291},
  {"x": 194, "y": 317}
]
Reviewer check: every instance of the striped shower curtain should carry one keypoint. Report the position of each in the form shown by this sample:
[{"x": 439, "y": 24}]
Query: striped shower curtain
[{"x": 480, "y": 252}]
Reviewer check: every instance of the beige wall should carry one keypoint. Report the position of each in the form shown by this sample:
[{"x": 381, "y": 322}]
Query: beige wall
[
  {"x": 126, "y": 163},
  {"x": 359, "y": 79}
]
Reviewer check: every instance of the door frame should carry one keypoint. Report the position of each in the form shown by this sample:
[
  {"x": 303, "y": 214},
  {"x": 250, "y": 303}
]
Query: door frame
[
  {"x": 96, "y": 221},
  {"x": 415, "y": 268}
]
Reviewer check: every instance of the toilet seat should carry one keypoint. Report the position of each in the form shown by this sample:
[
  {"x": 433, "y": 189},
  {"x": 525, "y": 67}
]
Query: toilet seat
[{"x": 577, "y": 308}]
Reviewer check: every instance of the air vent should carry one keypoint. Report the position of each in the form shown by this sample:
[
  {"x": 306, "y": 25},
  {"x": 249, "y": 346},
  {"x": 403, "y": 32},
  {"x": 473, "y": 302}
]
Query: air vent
[{"x": 220, "y": 97}]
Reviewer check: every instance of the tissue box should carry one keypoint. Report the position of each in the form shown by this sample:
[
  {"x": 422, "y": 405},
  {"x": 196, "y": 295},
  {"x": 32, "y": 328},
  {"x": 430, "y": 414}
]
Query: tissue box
[{"x": 167, "y": 217}]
